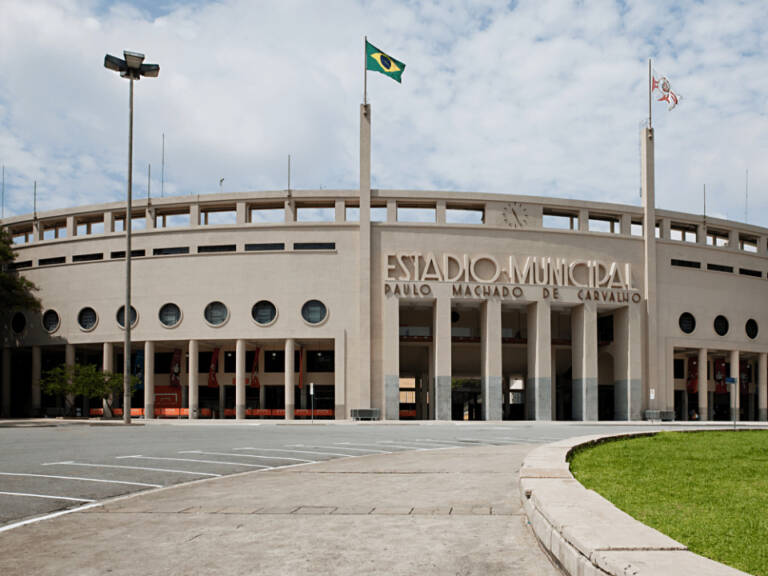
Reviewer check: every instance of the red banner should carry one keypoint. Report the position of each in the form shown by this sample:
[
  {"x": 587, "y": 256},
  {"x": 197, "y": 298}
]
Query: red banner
[
  {"x": 213, "y": 381},
  {"x": 693, "y": 375},
  {"x": 176, "y": 368},
  {"x": 254, "y": 369},
  {"x": 720, "y": 386},
  {"x": 167, "y": 397}
]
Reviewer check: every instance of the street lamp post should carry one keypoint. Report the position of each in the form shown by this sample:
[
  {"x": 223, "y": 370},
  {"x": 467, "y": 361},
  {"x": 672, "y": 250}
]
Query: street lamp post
[{"x": 132, "y": 68}]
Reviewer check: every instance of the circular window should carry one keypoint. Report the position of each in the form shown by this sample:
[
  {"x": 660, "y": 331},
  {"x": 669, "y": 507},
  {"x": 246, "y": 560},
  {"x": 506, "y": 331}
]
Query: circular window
[
  {"x": 687, "y": 322},
  {"x": 121, "y": 316},
  {"x": 751, "y": 329},
  {"x": 18, "y": 322},
  {"x": 314, "y": 311},
  {"x": 87, "y": 318},
  {"x": 170, "y": 315},
  {"x": 721, "y": 325},
  {"x": 264, "y": 312},
  {"x": 216, "y": 313},
  {"x": 51, "y": 320}
]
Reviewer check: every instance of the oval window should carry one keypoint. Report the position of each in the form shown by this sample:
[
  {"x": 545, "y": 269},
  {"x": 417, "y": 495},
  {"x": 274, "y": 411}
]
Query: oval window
[
  {"x": 121, "y": 316},
  {"x": 721, "y": 325},
  {"x": 314, "y": 311},
  {"x": 216, "y": 313},
  {"x": 87, "y": 318},
  {"x": 264, "y": 312},
  {"x": 18, "y": 322},
  {"x": 751, "y": 329},
  {"x": 51, "y": 320},
  {"x": 687, "y": 322},
  {"x": 170, "y": 315}
]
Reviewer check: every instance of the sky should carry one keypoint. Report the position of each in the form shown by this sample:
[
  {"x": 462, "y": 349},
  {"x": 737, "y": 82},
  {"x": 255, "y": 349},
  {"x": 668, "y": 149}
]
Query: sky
[{"x": 543, "y": 98}]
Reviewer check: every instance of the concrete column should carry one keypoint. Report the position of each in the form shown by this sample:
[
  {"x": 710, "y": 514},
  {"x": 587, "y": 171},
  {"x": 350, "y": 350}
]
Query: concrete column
[
  {"x": 701, "y": 233},
  {"x": 241, "y": 215},
  {"x": 37, "y": 365},
  {"x": 109, "y": 222},
  {"x": 391, "y": 359},
  {"x": 538, "y": 386},
  {"x": 584, "y": 360},
  {"x": 443, "y": 369},
  {"x": 107, "y": 365},
  {"x": 149, "y": 380},
  {"x": 734, "y": 388},
  {"x": 664, "y": 230},
  {"x": 733, "y": 240},
  {"x": 194, "y": 215},
  {"x": 651, "y": 370},
  {"x": 440, "y": 208},
  {"x": 149, "y": 218},
  {"x": 627, "y": 370},
  {"x": 240, "y": 380},
  {"x": 762, "y": 387},
  {"x": 289, "y": 378},
  {"x": 340, "y": 210},
  {"x": 491, "y": 360},
  {"x": 194, "y": 408},
  {"x": 703, "y": 384},
  {"x": 626, "y": 225},
  {"x": 583, "y": 220},
  {"x": 71, "y": 228},
  {"x": 5, "y": 407},
  {"x": 290, "y": 210},
  {"x": 391, "y": 210},
  {"x": 37, "y": 231}
]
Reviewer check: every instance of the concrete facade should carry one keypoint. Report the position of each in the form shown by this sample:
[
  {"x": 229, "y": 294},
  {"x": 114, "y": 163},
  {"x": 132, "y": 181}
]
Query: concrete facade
[{"x": 429, "y": 305}]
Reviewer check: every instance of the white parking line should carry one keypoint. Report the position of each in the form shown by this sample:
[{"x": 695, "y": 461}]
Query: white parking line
[
  {"x": 247, "y": 456},
  {"x": 337, "y": 446},
  {"x": 46, "y": 496},
  {"x": 296, "y": 451},
  {"x": 379, "y": 445},
  {"x": 82, "y": 479},
  {"x": 140, "y": 457},
  {"x": 419, "y": 443},
  {"x": 70, "y": 463}
]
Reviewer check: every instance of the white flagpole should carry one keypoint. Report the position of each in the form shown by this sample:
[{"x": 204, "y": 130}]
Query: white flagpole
[
  {"x": 365, "y": 70},
  {"x": 650, "y": 97}
]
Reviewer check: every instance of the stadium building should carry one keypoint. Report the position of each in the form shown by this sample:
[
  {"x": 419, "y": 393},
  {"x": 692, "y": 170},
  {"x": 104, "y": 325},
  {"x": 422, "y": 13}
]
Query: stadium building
[{"x": 398, "y": 305}]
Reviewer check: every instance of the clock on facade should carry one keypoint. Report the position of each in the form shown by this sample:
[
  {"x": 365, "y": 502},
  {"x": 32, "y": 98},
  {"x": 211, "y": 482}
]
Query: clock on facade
[{"x": 515, "y": 215}]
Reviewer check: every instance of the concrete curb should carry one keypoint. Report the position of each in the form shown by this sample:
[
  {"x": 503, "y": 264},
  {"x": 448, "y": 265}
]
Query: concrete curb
[{"x": 589, "y": 536}]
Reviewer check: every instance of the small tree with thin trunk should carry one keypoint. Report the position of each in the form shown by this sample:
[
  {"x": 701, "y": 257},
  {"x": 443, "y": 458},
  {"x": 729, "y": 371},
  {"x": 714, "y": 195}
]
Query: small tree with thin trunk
[{"x": 83, "y": 380}]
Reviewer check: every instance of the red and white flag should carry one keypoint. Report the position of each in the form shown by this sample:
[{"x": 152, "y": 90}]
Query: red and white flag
[{"x": 662, "y": 86}]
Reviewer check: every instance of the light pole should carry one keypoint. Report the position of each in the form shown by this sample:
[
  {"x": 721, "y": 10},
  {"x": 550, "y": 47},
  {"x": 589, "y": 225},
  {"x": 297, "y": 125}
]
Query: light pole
[{"x": 131, "y": 67}]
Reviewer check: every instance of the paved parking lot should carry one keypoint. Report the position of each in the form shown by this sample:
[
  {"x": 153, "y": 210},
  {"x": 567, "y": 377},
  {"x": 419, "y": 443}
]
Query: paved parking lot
[{"x": 51, "y": 466}]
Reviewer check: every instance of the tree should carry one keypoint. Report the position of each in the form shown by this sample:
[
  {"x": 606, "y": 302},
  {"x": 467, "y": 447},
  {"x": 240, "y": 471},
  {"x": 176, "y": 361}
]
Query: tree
[
  {"x": 15, "y": 290},
  {"x": 83, "y": 380}
]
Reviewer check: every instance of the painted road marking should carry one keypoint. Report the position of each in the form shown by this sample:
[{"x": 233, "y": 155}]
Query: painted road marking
[
  {"x": 46, "y": 496},
  {"x": 337, "y": 446},
  {"x": 140, "y": 457},
  {"x": 379, "y": 445},
  {"x": 82, "y": 479},
  {"x": 247, "y": 456},
  {"x": 70, "y": 463},
  {"x": 296, "y": 451}
]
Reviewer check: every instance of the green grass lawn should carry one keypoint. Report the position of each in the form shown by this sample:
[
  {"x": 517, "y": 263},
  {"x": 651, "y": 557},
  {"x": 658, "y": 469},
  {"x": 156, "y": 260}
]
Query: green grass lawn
[{"x": 707, "y": 490}]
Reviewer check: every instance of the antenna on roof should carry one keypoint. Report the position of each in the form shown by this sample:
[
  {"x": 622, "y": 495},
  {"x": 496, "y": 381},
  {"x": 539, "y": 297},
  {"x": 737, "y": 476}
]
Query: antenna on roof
[
  {"x": 705, "y": 203},
  {"x": 746, "y": 198},
  {"x": 34, "y": 201},
  {"x": 289, "y": 172},
  {"x": 149, "y": 182},
  {"x": 162, "y": 170}
]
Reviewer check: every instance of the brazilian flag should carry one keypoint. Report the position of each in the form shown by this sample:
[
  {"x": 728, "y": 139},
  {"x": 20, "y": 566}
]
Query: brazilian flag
[{"x": 376, "y": 60}]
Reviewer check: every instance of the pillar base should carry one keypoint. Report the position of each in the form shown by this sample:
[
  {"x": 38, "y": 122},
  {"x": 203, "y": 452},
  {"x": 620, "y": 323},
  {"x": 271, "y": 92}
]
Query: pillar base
[
  {"x": 240, "y": 412},
  {"x": 339, "y": 412},
  {"x": 194, "y": 412},
  {"x": 149, "y": 411},
  {"x": 443, "y": 393},
  {"x": 762, "y": 415},
  {"x": 492, "y": 397},
  {"x": 735, "y": 414},
  {"x": 584, "y": 408},
  {"x": 392, "y": 395}
]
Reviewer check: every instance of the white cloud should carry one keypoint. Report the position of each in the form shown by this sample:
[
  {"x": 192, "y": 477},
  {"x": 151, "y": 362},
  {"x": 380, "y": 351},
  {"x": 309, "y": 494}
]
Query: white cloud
[{"x": 531, "y": 98}]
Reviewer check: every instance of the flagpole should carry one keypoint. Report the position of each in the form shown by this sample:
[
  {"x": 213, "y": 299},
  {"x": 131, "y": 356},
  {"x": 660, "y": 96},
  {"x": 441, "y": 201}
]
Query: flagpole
[
  {"x": 365, "y": 70},
  {"x": 650, "y": 91}
]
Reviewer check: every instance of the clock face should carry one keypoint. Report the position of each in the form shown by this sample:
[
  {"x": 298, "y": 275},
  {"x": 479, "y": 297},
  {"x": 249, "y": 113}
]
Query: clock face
[{"x": 515, "y": 215}]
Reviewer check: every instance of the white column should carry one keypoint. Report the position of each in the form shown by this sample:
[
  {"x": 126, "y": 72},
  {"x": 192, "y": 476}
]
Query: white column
[
  {"x": 364, "y": 263},
  {"x": 391, "y": 360},
  {"x": 193, "y": 380},
  {"x": 538, "y": 386},
  {"x": 762, "y": 387},
  {"x": 69, "y": 360},
  {"x": 37, "y": 363},
  {"x": 443, "y": 370},
  {"x": 340, "y": 376},
  {"x": 149, "y": 379},
  {"x": 491, "y": 360},
  {"x": 240, "y": 213},
  {"x": 584, "y": 360},
  {"x": 734, "y": 373},
  {"x": 701, "y": 365},
  {"x": 628, "y": 384},
  {"x": 240, "y": 380},
  {"x": 5, "y": 408},
  {"x": 289, "y": 379},
  {"x": 340, "y": 210}
]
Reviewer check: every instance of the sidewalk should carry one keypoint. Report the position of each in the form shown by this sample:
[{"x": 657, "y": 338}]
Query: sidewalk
[{"x": 447, "y": 511}]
